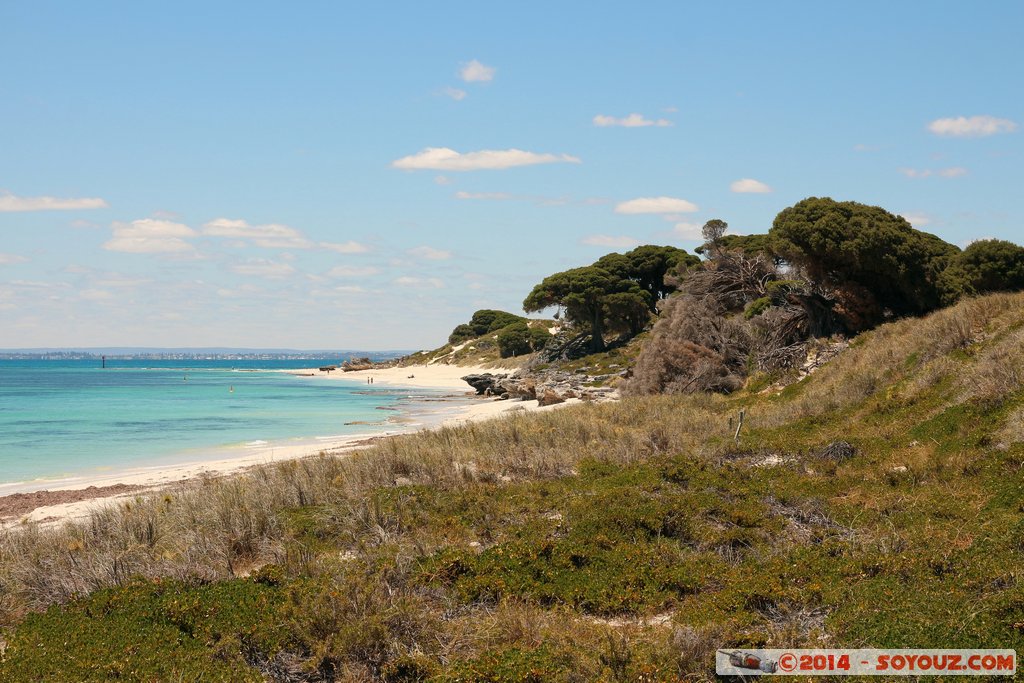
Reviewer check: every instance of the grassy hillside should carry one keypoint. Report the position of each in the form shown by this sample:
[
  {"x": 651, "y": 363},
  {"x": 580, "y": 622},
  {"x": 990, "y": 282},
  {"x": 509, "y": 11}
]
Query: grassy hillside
[{"x": 878, "y": 502}]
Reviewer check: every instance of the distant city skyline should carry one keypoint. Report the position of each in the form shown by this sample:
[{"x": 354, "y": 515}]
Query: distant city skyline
[{"x": 334, "y": 176}]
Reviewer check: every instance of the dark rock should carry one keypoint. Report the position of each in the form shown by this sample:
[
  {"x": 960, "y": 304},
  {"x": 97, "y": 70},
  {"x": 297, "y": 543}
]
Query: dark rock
[{"x": 486, "y": 384}]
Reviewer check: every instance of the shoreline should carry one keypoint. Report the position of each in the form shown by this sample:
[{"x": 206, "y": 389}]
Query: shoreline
[{"x": 74, "y": 498}]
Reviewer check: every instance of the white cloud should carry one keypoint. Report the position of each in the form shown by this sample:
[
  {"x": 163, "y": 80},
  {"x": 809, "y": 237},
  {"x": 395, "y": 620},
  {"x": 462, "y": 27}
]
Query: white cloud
[
  {"x": 11, "y": 259},
  {"x": 270, "y": 236},
  {"x": 95, "y": 294},
  {"x": 620, "y": 242},
  {"x": 918, "y": 220},
  {"x": 430, "y": 253},
  {"x": 749, "y": 186},
  {"x": 455, "y": 94},
  {"x": 443, "y": 180},
  {"x": 971, "y": 127},
  {"x": 352, "y": 271},
  {"x": 495, "y": 196},
  {"x": 632, "y": 121},
  {"x": 264, "y": 268},
  {"x": 475, "y": 72},
  {"x": 150, "y": 236},
  {"x": 445, "y": 159},
  {"x": 349, "y": 247},
  {"x": 861, "y": 147},
  {"x": 408, "y": 281},
  {"x": 656, "y": 205},
  {"x": 10, "y": 202},
  {"x": 951, "y": 172},
  {"x": 689, "y": 231}
]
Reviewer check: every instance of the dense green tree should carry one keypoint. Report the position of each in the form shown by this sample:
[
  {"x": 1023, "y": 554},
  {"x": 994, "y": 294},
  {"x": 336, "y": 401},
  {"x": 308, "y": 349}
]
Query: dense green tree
[
  {"x": 750, "y": 245},
  {"x": 646, "y": 266},
  {"x": 592, "y": 297},
  {"x": 714, "y": 230},
  {"x": 483, "y": 321},
  {"x": 514, "y": 340},
  {"x": 520, "y": 338},
  {"x": 984, "y": 266},
  {"x": 539, "y": 337},
  {"x": 865, "y": 252}
]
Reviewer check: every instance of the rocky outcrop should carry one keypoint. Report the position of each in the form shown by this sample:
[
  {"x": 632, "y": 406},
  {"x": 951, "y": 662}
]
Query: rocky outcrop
[
  {"x": 355, "y": 364},
  {"x": 487, "y": 384},
  {"x": 547, "y": 387}
]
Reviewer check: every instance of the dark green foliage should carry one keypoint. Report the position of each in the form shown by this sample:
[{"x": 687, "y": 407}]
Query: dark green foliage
[
  {"x": 519, "y": 338},
  {"x": 586, "y": 294},
  {"x": 618, "y": 293},
  {"x": 514, "y": 340},
  {"x": 750, "y": 245},
  {"x": 864, "y": 250},
  {"x": 647, "y": 265},
  {"x": 984, "y": 266},
  {"x": 539, "y": 337},
  {"x": 461, "y": 333},
  {"x": 483, "y": 322}
]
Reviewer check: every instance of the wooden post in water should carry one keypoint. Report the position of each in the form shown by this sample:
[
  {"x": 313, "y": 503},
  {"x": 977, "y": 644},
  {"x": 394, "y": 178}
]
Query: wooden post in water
[{"x": 104, "y": 359}]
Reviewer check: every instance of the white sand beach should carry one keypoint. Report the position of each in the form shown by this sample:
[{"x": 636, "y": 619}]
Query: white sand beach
[
  {"x": 434, "y": 376},
  {"x": 143, "y": 479}
]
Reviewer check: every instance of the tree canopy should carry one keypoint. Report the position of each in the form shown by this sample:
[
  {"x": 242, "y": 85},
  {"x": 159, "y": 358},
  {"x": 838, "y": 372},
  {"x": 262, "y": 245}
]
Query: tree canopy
[
  {"x": 750, "y": 245},
  {"x": 483, "y": 321},
  {"x": 581, "y": 292},
  {"x": 984, "y": 266},
  {"x": 865, "y": 252},
  {"x": 646, "y": 266},
  {"x": 617, "y": 293}
]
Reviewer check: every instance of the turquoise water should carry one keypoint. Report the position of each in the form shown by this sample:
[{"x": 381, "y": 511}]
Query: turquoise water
[{"x": 71, "y": 418}]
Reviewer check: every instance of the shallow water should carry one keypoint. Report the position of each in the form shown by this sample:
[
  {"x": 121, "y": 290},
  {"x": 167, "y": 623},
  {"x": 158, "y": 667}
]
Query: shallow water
[{"x": 72, "y": 417}]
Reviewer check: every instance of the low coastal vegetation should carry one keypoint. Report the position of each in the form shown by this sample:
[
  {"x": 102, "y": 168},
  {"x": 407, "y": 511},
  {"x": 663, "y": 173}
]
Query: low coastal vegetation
[
  {"x": 874, "y": 503},
  {"x": 797, "y": 462}
]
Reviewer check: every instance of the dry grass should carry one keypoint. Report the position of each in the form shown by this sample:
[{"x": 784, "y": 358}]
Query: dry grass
[{"x": 919, "y": 349}]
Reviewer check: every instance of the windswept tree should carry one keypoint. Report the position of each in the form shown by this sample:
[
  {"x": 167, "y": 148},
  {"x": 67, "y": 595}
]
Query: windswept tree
[
  {"x": 647, "y": 266},
  {"x": 874, "y": 260},
  {"x": 591, "y": 297},
  {"x": 750, "y": 245}
]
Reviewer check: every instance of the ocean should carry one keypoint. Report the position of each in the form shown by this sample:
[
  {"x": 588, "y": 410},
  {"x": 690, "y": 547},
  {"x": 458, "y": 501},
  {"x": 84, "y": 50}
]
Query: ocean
[{"x": 71, "y": 418}]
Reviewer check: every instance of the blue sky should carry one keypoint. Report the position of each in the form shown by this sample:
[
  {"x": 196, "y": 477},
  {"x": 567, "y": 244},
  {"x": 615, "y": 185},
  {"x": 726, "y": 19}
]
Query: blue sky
[{"x": 334, "y": 175}]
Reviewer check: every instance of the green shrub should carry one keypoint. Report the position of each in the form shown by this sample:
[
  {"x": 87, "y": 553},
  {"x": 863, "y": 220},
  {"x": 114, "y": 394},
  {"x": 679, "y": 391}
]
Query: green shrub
[
  {"x": 483, "y": 322},
  {"x": 984, "y": 266},
  {"x": 757, "y": 307},
  {"x": 514, "y": 340}
]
